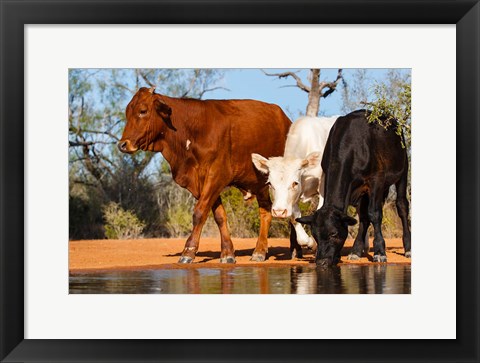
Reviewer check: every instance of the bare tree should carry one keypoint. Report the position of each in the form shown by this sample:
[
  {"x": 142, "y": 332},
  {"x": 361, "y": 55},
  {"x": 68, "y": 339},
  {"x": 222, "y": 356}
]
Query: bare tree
[{"x": 316, "y": 89}]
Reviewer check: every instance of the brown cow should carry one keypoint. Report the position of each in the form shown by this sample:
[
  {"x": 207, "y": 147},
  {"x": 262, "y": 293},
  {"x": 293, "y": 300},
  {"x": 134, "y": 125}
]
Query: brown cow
[{"x": 208, "y": 145}]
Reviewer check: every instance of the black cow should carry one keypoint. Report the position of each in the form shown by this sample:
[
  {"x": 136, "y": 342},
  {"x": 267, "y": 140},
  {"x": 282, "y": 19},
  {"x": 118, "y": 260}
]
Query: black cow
[{"x": 361, "y": 161}]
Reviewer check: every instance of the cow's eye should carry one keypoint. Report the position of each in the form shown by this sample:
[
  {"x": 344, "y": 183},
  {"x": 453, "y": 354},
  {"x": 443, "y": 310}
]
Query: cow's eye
[
  {"x": 143, "y": 112},
  {"x": 294, "y": 184}
]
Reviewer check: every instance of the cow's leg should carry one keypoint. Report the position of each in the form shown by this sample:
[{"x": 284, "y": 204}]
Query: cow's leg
[
  {"x": 375, "y": 214},
  {"x": 360, "y": 245},
  {"x": 208, "y": 196},
  {"x": 302, "y": 238},
  {"x": 265, "y": 207},
  {"x": 228, "y": 253},
  {"x": 295, "y": 248},
  {"x": 402, "y": 209},
  {"x": 321, "y": 191}
]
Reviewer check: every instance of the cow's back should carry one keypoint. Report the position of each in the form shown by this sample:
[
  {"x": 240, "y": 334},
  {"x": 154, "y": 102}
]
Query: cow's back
[
  {"x": 308, "y": 134},
  {"x": 257, "y": 127},
  {"x": 364, "y": 148}
]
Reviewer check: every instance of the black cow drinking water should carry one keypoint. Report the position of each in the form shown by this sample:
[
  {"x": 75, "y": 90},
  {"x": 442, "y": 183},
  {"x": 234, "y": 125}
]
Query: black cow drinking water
[{"x": 361, "y": 161}]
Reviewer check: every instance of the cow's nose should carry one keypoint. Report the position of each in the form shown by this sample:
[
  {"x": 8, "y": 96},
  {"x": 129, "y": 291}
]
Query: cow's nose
[
  {"x": 279, "y": 213},
  {"x": 122, "y": 146},
  {"x": 125, "y": 146}
]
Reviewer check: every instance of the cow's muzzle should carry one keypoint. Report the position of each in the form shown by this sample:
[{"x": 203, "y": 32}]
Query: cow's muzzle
[
  {"x": 125, "y": 146},
  {"x": 280, "y": 213}
]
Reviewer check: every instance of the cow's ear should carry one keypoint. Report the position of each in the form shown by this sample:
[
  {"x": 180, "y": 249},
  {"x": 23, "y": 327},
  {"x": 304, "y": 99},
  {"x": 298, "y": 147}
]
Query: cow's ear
[
  {"x": 344, "y": 218},
  {"x": 312, "y": 160},
  {"x": 162, "y": 108},
  {"x": 260, "y": 163},
  {"x": 306, "y": 220},
  {"x": 164, "y": 111},
  {"x": 349, "y": 220}
]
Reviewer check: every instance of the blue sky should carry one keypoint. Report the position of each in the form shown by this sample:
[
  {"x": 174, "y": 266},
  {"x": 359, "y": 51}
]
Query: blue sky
[{"x": 254, "y": 84}]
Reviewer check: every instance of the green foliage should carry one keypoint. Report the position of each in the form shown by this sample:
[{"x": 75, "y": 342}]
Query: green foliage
[
  {"x": 388, "y": 98},
  {"x": 175, "y": 205},
  {"x": 85, "y": 212},
  {"x": 121, "y": 224},
  {"x": 179, "y": 220},
  {"x": 391, "y": 223},
  {"x": 83, "y": 221},
  {"x": 178, "y": 210},
  {"x": 387, "y": 108},
  {"x": 352, "y": 230},
  {"x": 243, "y": 218}
]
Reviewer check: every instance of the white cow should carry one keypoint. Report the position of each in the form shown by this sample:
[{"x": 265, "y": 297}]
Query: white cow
[{"x": 297, "y": 175}]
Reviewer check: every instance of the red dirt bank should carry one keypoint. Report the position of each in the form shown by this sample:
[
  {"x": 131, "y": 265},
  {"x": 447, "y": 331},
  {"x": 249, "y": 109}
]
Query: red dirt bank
[{"x": 160, "y": 253}]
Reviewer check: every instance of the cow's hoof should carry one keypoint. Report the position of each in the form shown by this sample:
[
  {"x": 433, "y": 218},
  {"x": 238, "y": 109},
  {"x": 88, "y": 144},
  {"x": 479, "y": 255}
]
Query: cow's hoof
[
  {"x": 353, "y": 257},
  {"x": 408, "y": 254},
  {"x": 228, "y": 259},
  {"x": 185, "y": 259},
  {"x": 379, "y": 258},
  {"x": 294, "y": 254},
  {"x": 258, "y": 257}
]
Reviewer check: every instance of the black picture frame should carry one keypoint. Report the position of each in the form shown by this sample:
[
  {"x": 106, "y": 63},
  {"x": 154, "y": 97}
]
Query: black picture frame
[{"x": 15, "y": 14}]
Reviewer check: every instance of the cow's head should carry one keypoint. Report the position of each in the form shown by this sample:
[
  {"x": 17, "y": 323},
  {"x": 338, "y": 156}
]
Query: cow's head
[
  {"x": 148, "y": 117},
  {"x": 329, "y": 227},
  {"x": 285, "y": 179}
]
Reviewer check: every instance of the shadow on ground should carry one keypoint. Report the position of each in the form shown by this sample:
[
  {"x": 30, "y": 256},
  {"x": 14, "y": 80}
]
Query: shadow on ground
[{"x": 274, "y": 253}]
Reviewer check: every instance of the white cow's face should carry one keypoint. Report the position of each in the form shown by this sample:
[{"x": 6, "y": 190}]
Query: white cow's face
[{"x": 285, "y": 179}]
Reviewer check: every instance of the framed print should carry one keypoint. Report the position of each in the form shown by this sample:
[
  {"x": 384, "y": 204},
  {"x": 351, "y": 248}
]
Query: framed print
[{"x": 41, "y": 321}]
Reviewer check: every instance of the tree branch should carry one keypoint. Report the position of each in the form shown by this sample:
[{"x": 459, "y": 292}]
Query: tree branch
[
  {"x": 89, "y": 143},
  {"x": 78, "y": 131},
  {"x": 196, "y": 73},
  {"x": 288, "y": 85},
  {"x": 331, "y": 85},
  {"x": 298, "y": 80},
  {"x": 120, "y": 85},
  {"x": 140, "y": 166},
  {"x": 145, "y": 78},
  {"x": 86, "y": 183},
  {"x": 210, "y": 90}
]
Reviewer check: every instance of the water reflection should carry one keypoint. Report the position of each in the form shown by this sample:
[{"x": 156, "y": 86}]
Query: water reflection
[
  {"x": 346, "y": 279},
  {"x": 352, "y": 279}
]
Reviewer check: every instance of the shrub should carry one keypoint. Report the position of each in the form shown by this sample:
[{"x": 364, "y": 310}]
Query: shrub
[
  {"x": 121, "y": 224},
  {"x": 179, "y": 220},
  {"x": 242, "y": 216},
  {"x": 387, "y": 108},
  {"x": 85, "y": 213}
]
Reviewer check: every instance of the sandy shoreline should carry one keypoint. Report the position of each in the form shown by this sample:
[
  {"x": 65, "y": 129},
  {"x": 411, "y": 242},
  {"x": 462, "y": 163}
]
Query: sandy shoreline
[{"x": 163, "y": 253}]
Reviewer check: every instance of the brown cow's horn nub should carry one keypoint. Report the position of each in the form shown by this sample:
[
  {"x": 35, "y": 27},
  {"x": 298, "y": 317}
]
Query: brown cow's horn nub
[{"x": 152, "y": 89}]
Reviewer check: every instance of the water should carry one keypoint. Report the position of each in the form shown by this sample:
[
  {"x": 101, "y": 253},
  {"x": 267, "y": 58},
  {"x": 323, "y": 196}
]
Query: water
[{"x": 345, "y": 279}]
